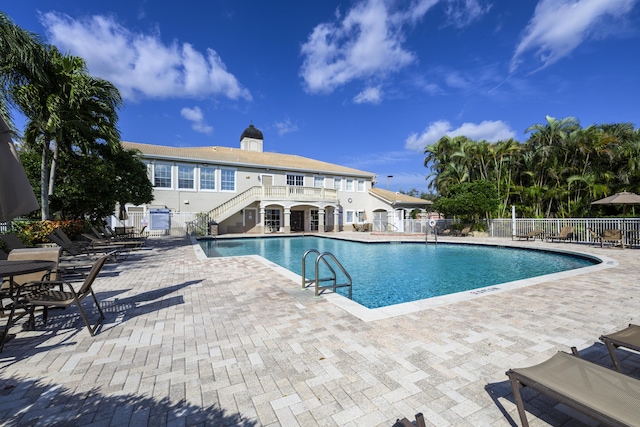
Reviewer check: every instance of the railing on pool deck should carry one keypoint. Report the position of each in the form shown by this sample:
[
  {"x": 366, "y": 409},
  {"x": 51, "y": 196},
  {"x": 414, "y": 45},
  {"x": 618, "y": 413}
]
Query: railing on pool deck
[
  {"x": 552, "y": 226},
  {"x": 182, "y": 223},
  {"x": 317, "y": 280}
]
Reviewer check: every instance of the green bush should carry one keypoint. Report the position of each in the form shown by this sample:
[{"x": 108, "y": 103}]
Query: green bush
[{"x": 36, "y": 232}]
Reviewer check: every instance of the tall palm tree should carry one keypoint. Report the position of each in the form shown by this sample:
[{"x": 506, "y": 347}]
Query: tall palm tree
[
  {"x": 72, "y": 111},
  {"x": 22, "y": 55}
]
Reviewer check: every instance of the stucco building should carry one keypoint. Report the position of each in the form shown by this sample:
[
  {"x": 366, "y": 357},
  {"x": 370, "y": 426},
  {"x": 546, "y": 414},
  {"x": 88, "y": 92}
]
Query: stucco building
[{"x": 249, "y": 190}]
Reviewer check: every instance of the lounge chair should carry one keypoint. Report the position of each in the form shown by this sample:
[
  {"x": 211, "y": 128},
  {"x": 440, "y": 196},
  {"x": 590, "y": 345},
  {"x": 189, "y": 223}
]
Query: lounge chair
[
  {"x": 611, "y": 235},
  {"x": 628, "y": 337},
  {"x": 466, "y": 230},
  {"x": 49, "y": 298},
  {"x": 601, "y": 393},
  {"x": 566, "y": 233},
  {"x": 96, "y": 242},
  {"x": 530, "y": 235}
]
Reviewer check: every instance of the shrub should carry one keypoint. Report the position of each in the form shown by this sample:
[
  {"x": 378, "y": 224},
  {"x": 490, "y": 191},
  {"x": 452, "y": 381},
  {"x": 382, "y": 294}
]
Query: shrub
[{"x": 33, "y": 233}]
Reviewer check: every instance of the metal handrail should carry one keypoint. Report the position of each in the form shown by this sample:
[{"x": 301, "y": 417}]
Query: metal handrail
[{"x": 317, "y": 280}]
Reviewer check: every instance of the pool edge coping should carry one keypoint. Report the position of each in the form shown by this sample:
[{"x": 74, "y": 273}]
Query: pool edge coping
[{"x": 372, "y": 314}]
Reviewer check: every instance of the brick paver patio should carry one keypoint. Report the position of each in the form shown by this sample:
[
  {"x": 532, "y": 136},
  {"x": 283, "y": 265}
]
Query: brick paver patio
[{"x": 232, "y": 342}]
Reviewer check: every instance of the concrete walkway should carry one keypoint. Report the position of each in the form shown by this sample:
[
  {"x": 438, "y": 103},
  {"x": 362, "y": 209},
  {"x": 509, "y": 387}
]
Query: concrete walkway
[{"x": 233, "y": 342}]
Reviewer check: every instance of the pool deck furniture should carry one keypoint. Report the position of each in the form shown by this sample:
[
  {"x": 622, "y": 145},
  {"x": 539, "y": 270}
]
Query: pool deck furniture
[
  {"x": 49, "y": 297},
  {"x": 530, "y": 235},
  {"x": 404, "y": 422},
  {"x": 613, "y": 236},
  {"x": 15, "y": 270},
  {"x": 600, "y": 393},
  {"x": 593, "y": 236},
  {"x": 628, "y": 337},
  {"x": 566, "y": 234},
  {"x": 447, "y": 362}
]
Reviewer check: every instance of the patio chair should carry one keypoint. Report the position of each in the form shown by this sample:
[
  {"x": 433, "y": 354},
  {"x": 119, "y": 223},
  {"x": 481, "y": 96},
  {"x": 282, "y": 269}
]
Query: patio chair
[
  {"x": 49, "y": 298},
  {"x": 600, "y": 393},
  {"x": 466, "y": 230},
  {"x": 566, "y": 234},
  {"x": 28, "y": 254},
  {"x": 593, "y": 236},
  {"x": 612, "y": 235},
  {"x": 530, "y": 235},
  {"x": 628, "y": 337}
]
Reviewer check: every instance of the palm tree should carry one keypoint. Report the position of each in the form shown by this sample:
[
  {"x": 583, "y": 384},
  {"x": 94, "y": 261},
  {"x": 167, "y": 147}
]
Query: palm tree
[
  {"x": 21, "y": 58},
  {"x": 71, "y": 111}
]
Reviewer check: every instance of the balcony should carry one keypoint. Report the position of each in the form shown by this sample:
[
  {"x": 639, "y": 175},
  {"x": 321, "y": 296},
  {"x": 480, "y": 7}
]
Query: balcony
[{"x": 290, "y": 192}]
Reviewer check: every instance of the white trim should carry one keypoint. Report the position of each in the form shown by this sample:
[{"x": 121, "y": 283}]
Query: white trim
[
  {"x": 153, "y": 174},
  {"x": 235, "y": 180},
  {"x": 215, "y": 178},
  {"x": 193, "y": 174},
  {"x": 339, "y": 179},
  {"x": 353, "y": 185}
]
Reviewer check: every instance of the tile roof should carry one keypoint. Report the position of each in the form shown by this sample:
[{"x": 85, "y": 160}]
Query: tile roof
[
  {"x": 237, "y": 156},
  {"x": 398, "y": 198}
]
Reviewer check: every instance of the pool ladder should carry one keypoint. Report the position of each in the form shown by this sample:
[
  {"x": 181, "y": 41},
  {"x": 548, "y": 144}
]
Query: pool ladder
[{"x": 322, "y": 257}]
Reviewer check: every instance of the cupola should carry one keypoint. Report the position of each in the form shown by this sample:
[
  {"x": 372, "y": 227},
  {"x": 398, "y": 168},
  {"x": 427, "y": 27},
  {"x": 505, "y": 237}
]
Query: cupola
[{"x": 251, "y": 139}]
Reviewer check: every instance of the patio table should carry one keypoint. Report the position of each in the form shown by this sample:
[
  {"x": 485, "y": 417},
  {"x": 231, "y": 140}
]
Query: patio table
[{"x": 11, "y": 269}]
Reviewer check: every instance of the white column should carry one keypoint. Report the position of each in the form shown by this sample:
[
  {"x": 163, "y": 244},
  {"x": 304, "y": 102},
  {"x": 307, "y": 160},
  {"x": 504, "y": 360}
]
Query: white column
[
  {"x": 260, "y": 225},
  {"x": 287, "y": 220},
  {"x": 321, "y": 226}
]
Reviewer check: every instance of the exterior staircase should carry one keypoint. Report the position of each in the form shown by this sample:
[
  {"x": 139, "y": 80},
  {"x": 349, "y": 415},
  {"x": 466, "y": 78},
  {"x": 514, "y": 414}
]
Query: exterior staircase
[{"x": 258, "y": 193}]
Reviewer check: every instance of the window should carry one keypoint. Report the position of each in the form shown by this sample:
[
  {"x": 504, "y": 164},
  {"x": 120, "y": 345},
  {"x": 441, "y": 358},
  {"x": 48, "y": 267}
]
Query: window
[
  {"x": 349, "y": 218},
  {"x": 228, "y": 180},
  {"x": 162, "y": 175},
  {"x": 272, "y": 220},
  {"x": 349, "y": 186},
  {"x": 207, "y": 178},
  {"x": 314, "y": 220},
  {"x": 186, "y": 177},
  {"x": 318, "y": 181},
  {"x": 360, "y": 216},
  {"x": 361, "y": 185},
  {"x": 297, "y": 180},
  {"x": 337, "y": 184}
]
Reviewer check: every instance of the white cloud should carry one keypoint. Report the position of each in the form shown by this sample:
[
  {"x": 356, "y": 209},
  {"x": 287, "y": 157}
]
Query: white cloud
[
  {"x": 194, "y": 115},
  {"x": 368, "y": 40},
  {"x": 461, "y": 13},
  {"x": 491, "y": 131},
  {"x": 141, "y": 65},
  {"x": 364, "y": 43},
  {"x": 559, "y": 26},
  {"x": 285, "y": 127},
  {"x": 370, "y": 95}
]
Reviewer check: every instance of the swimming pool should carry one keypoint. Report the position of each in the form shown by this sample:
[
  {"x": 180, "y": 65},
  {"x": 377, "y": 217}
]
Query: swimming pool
[{"x": 385, "y": 273}]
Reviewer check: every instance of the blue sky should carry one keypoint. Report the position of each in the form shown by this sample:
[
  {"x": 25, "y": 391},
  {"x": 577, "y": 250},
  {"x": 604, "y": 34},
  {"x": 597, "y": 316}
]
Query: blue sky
[{"x": 366, "y": 84}]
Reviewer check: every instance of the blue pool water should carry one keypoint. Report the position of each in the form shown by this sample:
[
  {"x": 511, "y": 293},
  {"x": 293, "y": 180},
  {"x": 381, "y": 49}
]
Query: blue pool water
[{"x": 384, "y": 274}]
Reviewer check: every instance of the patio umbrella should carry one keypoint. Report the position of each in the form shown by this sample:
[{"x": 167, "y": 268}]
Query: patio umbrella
[
  {"x": 16, "y": 193},
  {"x": 624, "y": 198}
]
